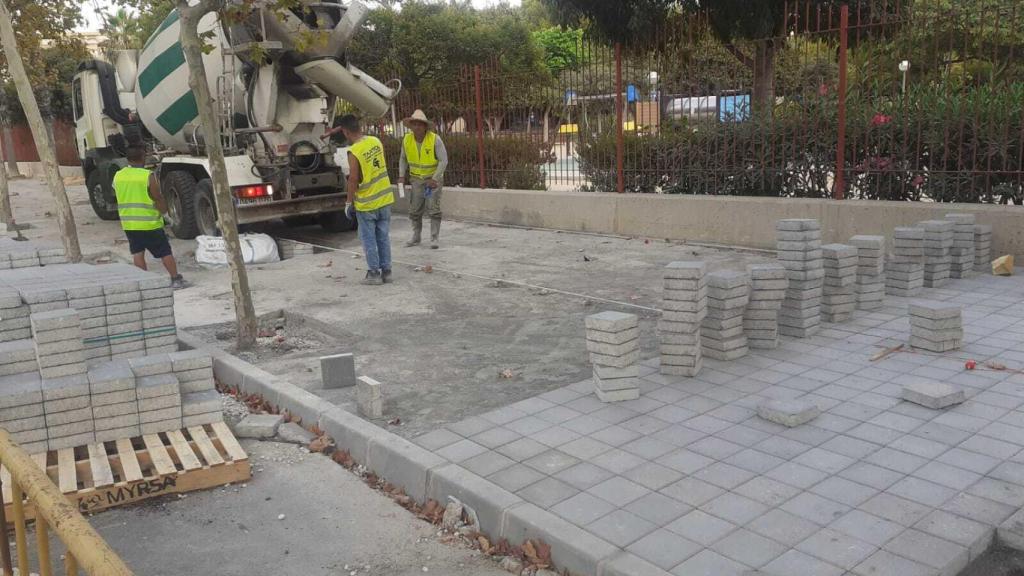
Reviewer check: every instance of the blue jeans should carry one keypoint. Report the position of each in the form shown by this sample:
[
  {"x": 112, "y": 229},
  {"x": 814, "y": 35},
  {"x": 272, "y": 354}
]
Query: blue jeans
[{"x": 374, "y": 227}]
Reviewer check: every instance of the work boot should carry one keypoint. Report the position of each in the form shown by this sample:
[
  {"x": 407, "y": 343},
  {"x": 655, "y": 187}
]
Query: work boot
[
  {"x": 417, "y": 228},
  {"x": 373, "y": 278},
  {"x": 435, "y": 230},
  {"x": 385, "y": 275},
  {"x": 178, "y": 282}
]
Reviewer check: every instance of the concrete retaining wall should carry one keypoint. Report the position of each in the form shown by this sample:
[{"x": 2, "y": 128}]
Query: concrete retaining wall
[
  {"x": 423, "y": 474},
  {"x": 729, "y": 220}
]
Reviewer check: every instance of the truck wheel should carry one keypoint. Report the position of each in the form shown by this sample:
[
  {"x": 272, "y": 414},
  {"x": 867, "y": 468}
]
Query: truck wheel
[
  {"x": 101, "y": 194},
  {"x": 179, "y": 189},
  {"x": 206, "y": 209},
  {"x": 336, "y": 221}
]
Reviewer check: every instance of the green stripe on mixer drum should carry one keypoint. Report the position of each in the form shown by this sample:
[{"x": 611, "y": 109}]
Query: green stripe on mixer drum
[
  {"x": 182, "y": 112},
  {"x": 161, "y": 67},
  {"x": 171, "y": 19}
]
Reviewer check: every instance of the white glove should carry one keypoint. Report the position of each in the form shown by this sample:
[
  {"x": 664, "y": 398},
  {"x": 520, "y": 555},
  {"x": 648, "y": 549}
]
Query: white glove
[{"x": 350, "y": 211}]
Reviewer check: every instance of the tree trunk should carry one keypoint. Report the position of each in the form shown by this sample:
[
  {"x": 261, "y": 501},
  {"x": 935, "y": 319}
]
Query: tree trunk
[
  {"x": 763, "y": 100},
  {"x": 547, "y": 120},
  {"x": 12, "y": 157},
  {"x": 6, "y": 213},
  {"x": 44, "y": 143},
  {"x": 245, "y": 312}
]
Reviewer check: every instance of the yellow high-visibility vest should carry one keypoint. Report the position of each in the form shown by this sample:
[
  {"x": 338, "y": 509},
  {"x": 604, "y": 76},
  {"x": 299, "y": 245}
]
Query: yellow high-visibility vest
[
  {"x": 422, "y": 159},
  {"x": 134, "y": 206},
  {"x": 375, "y": 187}
]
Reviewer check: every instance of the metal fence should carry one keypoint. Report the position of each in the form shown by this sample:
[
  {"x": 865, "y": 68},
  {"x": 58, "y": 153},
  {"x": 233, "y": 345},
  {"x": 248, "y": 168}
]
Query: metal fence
[{"x": 880, "y": 99}]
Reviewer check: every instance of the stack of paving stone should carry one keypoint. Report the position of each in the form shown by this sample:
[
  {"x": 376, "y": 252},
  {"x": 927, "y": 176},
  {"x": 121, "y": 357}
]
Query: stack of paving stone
[
  {"x": 938, "y": 241},
  {"x": 18, "y": 357},
  {"x": 684, "y": 304},
  {"x": 125, "y": 312},
  {"x": 158, "y": 392},
  {"x": 25, "y": 258},
  {"x": 21, "y": 411},
  {"x": 58, "y": 341},
  {"x": 68, "y": 408},
  {"x": 290, "y": 249},
  {"x": 721, "y": 332},
  {"x": 161, "y": 334},
  {"x": 839, "y": 295},
  {"x": 962, "y": 252},
  {"x": 613, "y": 343},
  {"x": 28, "y": 255},
  {"x": 124, "y": 319},
  {"x": 936, "y": 326},
  {"x": 982, "y": 249},
  {"x": 904, "y": 270},
  {"x": 115, "y": 408},
  {"x": 89, "y": 302},
  {"x": 768, "y": 285},
  {"x": 14, "y": 322},
  {"x": 870, "y": 271},
  {"x": 799, "y": 251},
  {"x": 200, "y": 401}
]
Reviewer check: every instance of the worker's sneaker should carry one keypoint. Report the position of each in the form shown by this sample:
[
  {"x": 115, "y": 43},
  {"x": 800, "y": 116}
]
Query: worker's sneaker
[
  {"x": 373, "y": 278},
  {"x": 385, "y": 275},
  {"x": 433, "y": 244},
  {"x": 178, "y": 282},
  {"x": 414, "y": 241}
]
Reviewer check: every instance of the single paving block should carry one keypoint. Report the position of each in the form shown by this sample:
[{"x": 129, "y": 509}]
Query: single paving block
[
  {"x": 111, "y": 377},
  {"x": 611, "y": 321},
  {"x": 369, "y": 397},
  {"x": 200, "y": 403},
  {"x": 789, "y": 413},
  {"x": 258, "y": 426},
  {"x": 685, "y": 270},
  {"x": 338, "y": 371},
  {"x": 151, "y": 365},
  {"x": 934, "y": 310},
  {"x": 158, "y": 385},
  {"x": 934, "y": 395}
]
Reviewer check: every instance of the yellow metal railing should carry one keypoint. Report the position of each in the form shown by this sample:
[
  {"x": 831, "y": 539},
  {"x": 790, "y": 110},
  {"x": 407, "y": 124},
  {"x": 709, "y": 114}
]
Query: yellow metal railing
[{"x": 85, "y": 548}]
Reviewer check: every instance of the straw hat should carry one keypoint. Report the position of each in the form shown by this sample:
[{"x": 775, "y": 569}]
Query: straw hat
[{"x": 418, "y": 116}]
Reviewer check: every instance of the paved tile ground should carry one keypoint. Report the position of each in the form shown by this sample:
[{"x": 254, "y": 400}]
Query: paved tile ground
[{"x": 689, "y": 478}]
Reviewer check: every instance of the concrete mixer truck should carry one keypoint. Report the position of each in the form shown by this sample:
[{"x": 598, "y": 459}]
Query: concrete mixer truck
[{"x": 277, "y": 77}]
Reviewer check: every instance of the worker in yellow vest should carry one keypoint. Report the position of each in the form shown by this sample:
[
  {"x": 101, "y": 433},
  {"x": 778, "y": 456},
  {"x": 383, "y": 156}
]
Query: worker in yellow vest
[
  {"x": 370, "y": 196},
  {"x": 425, "y": 158},
  {"x": 140, "y": 205}
]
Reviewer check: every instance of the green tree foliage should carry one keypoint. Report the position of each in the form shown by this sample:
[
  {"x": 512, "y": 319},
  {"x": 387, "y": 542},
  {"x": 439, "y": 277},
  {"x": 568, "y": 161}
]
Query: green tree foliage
[
  {"x": 426, "y": 44},
  {"x": 136, "y": 20},
  {"x": 562, "y": 48},
  {"x": 42, "y": 30}
]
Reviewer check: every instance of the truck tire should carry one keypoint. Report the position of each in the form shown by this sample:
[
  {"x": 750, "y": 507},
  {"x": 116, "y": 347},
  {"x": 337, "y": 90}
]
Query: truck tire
[
  {"x": 336, "y": 221},
  {"x": 100, "y": 186},
  {"x": 205, "y": 208},
  {"x": 179, "y": 190}
]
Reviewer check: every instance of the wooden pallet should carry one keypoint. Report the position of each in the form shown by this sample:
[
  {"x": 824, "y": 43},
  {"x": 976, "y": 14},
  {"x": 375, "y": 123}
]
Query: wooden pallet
[{"x": 100, "y": 476}]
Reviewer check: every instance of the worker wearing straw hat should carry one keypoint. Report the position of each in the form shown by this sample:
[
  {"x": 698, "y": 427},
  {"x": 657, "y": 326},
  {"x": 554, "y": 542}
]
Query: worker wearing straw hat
[{"x": 425, "y": 159}]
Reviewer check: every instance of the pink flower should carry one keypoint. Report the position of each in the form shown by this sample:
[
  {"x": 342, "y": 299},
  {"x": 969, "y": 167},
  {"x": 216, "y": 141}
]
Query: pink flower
[
  {"x": 917, "y": 181},
  {"x": 823, "y": 90},
  {"x": 880, "y": 119}
]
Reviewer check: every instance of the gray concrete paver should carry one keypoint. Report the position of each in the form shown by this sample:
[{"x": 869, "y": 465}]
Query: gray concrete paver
[{"x": 691, "y": 480}]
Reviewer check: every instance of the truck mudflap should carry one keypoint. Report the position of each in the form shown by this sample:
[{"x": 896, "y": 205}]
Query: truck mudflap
[{"x": 305, "y": 206}]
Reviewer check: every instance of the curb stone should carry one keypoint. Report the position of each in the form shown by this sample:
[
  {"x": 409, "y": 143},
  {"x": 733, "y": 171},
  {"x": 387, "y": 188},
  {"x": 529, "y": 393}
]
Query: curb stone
[
  {"x": 578, "y": 550},
  {"x": 487, "y": 499},
  {"x": 423, "y": 474}
]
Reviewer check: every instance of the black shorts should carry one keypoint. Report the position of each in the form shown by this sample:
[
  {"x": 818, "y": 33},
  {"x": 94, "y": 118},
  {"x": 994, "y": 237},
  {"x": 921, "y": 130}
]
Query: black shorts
[{"x": 155, "y": 241}]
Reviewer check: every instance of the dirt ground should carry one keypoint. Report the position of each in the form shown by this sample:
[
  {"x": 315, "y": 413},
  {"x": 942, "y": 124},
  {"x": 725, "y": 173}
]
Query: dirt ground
[{"x": 499, "y": 318}]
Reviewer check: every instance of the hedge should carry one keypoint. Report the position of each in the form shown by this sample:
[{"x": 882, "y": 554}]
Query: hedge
[
  {"x": 509, "y": 162},
  {"x": 945, "y": 145}
]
